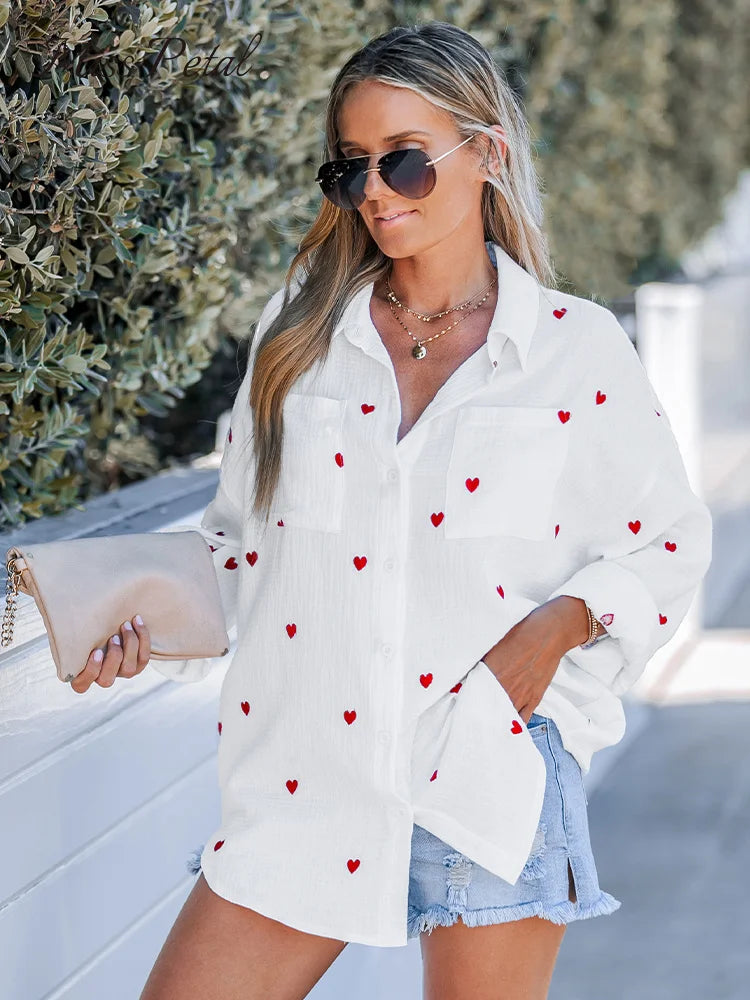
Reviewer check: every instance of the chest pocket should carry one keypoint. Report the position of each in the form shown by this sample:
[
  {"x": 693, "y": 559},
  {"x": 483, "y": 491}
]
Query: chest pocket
[
  {"x": 503, "y": 471},
  {"x": 311, "y": 484}
]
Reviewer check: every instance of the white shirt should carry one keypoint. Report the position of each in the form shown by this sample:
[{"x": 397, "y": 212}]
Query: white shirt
[{"x": 357, "y": 702}]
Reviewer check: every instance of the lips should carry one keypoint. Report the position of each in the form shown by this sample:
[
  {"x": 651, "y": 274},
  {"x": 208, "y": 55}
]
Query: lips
[{"x": 395, "y": 221}]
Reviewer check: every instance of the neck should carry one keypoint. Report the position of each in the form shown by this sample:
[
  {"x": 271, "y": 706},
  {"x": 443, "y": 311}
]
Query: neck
[{"x": 428, "y": 291}]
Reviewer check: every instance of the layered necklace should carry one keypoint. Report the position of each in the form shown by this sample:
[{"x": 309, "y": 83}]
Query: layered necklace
[{"x": 419, "y": 350}]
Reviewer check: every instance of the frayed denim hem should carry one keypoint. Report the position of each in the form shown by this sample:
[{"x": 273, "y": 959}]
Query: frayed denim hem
[
  {"x": 193, "y": 863},
  {"x": 559, "y": 913}
]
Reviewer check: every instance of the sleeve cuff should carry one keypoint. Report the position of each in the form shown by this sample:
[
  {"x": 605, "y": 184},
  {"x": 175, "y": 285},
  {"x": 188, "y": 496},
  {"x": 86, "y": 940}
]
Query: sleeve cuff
[{"x": 621, "y": 602}]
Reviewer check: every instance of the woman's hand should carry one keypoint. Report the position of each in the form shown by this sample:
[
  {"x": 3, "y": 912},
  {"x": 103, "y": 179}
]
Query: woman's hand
[
  {"x": 126, "y": 655},
  {"x": 526, "y": 658}
]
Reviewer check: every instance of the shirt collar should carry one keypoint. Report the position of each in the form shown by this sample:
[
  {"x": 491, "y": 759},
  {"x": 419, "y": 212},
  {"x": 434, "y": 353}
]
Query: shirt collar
[{"x": 515, "y": 315}]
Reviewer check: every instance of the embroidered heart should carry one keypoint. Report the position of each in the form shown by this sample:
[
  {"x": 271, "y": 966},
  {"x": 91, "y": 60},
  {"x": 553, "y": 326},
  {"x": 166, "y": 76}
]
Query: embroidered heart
[
  {"x": 245, "y": 706},
  {"x": 292, "y": 785},
  {"x": 434, "y": 775},
  {"x": 280, "y": 524},
  {"x": 252, "y": 557},
  {"x": 671, "y": 546},
  {"x": 657, "y": 413},
  {"x": 212, "y": 547},
  {"x": 360, "y": 561},
  {"x": 600, "y": 396},
  {"x": 219, "y": 729},
  {"x": 437, "y": 518},
  {"x": 516, "y": 727},
  {"x": 557, "y": 528},
  {"x": 352, "y": 865},
  {"x": 471, "y": 484},
  {"x": 368, "y": 407},
  {"x": 662, "y": 619},
  {"x": 218, "y": 844},
  {"x": 230, "y": 435},
  {"x": 635, "y": 526},
  {"x": 500, "y": 591},
  {"x": 231, "y": 563},
  {"x": 218, "y": 532},
  {"x": 291, "y": 630},
  {"x": 559, "y": 313},
  {"x": 607, "y": 619},
  {"x": 456, "y": 687},
  {"x": 564, "y": 415},
  {"x": 425, "y": 680},
  {"x": 339, "y": 459},
  {"x": 350, "y": 717}
]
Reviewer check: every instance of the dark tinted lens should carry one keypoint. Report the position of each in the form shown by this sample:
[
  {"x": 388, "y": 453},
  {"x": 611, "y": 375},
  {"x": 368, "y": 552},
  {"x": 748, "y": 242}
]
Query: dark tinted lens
[
  {"x": 406, "y": 172},
  {"x": 343, "y": 181}
]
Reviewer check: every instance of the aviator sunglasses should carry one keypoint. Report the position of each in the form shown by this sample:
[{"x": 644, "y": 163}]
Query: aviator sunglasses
[{"x": 408, "y": 172}]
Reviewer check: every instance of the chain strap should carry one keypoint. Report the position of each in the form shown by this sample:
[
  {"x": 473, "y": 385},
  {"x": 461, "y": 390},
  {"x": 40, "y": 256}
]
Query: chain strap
[{"x": 11, "y": 598}]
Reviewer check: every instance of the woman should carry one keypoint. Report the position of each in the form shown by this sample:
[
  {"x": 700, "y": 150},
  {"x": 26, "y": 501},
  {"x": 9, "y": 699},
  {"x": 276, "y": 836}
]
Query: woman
[{"x": 477, "y": 532}]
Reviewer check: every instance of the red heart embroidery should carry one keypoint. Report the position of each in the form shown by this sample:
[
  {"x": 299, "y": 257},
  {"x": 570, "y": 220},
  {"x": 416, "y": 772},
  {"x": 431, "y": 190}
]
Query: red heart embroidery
[
  {"x": 212, "y": 547},
  {"x": 559, "y": 313},
  {"x": 671, "y": 546},
  {"x": 456, "y": 688},
  {"x": 291, "y": 630},
  {"x": 607, "y": 619},
  {"x": 437, "y": 518},
  {"x": 292, "y": 785},
  {"x": 471, "y": 484},
  {"x": 218, "y": 532},
  {"x": 600, "y": 397},
  {"x": 564, "y": 415},
  {"x": 245, "y": 706},
  {"x": 231, "y": 563},
  {"x": 657, "y": 413},
  {"x": 230, "y": 435},
  {"x": 352, "y": 865},
  {"x": 360, "y": 561},
  {"x": 219, "y": 729},
  {"x": 218, "y": 844},
  {"x": 280, "y": 524},
  {"x": 350, "y": 717},
  {"x": 339, "y": 459},
  {"x": 635, "y": 526},
  {"x": 368, "y": 407},
  {"x": 425, "y": 680},
  {"x": 662, "y": 619},
  {"x": 557, "y": 528},
  {"x": 434, "y": 775},
  {"x": 516, "y": 727},
  {"x": 252, "y": 557},
  {"x": 500, "y": 591}
]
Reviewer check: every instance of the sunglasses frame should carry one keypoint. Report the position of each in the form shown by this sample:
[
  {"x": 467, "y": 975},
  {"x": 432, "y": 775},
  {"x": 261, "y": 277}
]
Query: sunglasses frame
[{"x": 368, "y": 156}]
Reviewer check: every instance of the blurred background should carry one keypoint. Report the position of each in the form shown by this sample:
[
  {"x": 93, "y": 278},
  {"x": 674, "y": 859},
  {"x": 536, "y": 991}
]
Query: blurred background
[{"x": 146, "y": 215}]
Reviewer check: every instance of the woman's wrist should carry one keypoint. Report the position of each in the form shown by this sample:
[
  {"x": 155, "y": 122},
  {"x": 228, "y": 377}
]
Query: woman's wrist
[{"x": 574, "y": 621}]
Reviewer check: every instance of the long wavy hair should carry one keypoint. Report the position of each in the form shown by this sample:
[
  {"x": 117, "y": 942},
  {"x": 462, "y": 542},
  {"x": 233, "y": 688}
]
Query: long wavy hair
[{"x": 337, "y": 257}]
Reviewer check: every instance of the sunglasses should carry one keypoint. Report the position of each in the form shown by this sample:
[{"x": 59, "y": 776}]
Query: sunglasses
[{"x": 408, "y": 172}]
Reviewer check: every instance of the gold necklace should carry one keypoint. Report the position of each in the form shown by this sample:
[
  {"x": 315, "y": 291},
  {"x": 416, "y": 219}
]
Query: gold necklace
[{"x": 419, "y": 350}]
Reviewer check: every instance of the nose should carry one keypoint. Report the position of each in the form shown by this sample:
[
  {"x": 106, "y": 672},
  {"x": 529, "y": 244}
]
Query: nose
[{"x": 374, "y": 186}]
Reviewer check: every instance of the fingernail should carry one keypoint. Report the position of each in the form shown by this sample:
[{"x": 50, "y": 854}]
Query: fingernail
[
  {"x": 98, "y": 655},
  {"x": 138, "y": 620},
  {"x": 116, "y": 638},
  {"x": 127, "y": 625}
]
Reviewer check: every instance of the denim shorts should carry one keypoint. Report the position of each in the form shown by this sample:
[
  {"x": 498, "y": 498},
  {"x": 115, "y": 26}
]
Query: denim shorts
[{"x": 444, "y": 883}]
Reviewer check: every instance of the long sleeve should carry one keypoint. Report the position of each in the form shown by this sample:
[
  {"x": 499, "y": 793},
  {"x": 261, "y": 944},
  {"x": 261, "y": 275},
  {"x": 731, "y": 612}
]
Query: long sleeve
[
  {"x": 222, "y": 520},
  {"x": 648, "y": 536}
]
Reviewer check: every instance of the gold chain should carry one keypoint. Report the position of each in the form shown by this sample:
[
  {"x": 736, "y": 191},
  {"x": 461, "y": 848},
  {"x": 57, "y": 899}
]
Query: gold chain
[{"x": 11, "y": 596}]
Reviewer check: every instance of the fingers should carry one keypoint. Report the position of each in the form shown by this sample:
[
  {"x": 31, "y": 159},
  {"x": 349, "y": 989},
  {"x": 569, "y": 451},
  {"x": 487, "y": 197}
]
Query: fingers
[{"x": 125, "y": 654}]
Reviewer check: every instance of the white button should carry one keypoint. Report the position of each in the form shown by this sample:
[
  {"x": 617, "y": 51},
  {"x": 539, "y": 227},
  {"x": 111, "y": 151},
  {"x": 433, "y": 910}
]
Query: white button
[
  {"x": 392, "y": 474},
  {"x": 383, "y": 736},
  {"x": 389, "y": 563},
  {"x": 387, "y": 649}
]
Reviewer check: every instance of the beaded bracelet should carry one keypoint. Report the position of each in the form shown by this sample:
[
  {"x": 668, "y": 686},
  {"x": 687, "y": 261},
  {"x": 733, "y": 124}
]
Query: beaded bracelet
[{"x": 593, "y": 630}]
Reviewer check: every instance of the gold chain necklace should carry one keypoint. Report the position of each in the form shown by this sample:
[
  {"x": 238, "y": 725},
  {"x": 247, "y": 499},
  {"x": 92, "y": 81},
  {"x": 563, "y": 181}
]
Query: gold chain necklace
[{"x": 419, "y": 350}]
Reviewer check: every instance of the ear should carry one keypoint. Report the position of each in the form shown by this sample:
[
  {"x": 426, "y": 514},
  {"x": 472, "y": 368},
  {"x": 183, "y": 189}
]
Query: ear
[{"x": 495, "y": 165}]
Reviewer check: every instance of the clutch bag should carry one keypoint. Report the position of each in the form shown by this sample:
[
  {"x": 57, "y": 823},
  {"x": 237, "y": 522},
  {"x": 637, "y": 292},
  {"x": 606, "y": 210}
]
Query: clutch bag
[{"x": 85, "y": 588}]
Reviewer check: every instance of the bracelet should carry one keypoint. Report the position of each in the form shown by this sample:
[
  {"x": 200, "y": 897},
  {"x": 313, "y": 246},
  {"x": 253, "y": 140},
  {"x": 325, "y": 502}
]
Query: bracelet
[{"x": 593, "y": 630}]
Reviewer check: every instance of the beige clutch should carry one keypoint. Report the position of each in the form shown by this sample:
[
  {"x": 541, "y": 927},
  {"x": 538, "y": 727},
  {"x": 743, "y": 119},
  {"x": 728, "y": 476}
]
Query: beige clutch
[{"x": 85, "y": 588}]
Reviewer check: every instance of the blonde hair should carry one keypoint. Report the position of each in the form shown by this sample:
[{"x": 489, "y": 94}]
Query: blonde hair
[{"x": 337, "y": 256}]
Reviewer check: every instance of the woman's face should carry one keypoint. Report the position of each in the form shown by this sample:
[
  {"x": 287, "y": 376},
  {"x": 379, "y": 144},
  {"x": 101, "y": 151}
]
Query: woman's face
[{"x": 371, "y": 112}]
